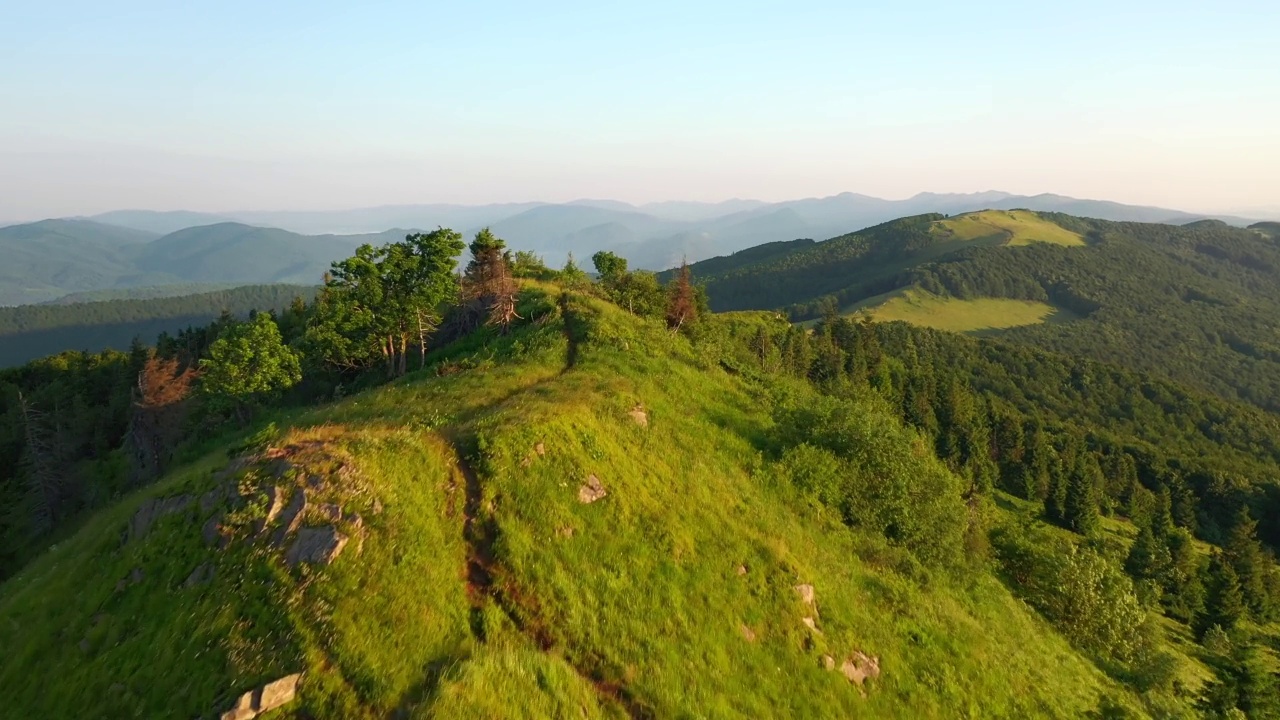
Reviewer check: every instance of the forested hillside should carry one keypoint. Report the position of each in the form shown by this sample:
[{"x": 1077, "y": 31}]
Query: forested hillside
[
  {"x": 48, "y": 259},
  {"x": 520, "y": 492},
  {"x": 28, "y": 332},
  {"x": 1198, "y": 304},
  {"x": 54, "y": 258}
]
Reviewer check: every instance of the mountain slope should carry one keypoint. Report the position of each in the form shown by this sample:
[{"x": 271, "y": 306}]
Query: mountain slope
[
  {"x": 53, "y": 258},
  {"x": 28, "y": 332},
  {"x": 868, "y": 262},
  {"x": 1197, "y": 303},
  {"x": 47, "y": 259},
  {"x": 477, "y": 581},
  {"x": 231, "y": 252}
]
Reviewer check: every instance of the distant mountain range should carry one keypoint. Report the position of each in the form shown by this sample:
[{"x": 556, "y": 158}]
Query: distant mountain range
[
  {"x": 47, "y": 260},
  {"x": 141, "y": 248}
]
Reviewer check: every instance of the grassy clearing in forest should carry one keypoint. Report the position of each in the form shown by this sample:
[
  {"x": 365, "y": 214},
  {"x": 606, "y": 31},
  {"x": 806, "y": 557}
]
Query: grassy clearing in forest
[
  {"x": 1019, "y": 227},
  {"x": 978, "y": 315}
]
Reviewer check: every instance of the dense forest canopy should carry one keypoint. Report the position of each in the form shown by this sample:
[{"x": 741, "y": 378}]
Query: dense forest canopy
[
  {"x": 1198, "y": 304},
  {"x": 28, "y": 332}
]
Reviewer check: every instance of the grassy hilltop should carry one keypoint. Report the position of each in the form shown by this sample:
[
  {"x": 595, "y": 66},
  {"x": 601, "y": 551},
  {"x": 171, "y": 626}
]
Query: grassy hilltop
[{"x": 476, "y": 583}]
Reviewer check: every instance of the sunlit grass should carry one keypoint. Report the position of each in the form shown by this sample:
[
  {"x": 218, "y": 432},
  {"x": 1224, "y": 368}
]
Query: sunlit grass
[
  {"x": 1017, "y": 227},
  {"x": 637, "y": 596}
]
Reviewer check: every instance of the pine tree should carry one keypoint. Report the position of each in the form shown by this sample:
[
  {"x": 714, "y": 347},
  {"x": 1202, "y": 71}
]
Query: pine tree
[
  {"x": 1148, "y": 558},
  {"x": 1244, "y": 553},
  {"x": 1037, "y": 467},
  {"x": 1080, "y": 512},
  {"x": 1245, "y": 687},
  {"x": 1184, "y": 593},
  {"x": 761, "y": 345},
  {"x": 1259, "y": 692},
  {"x": 571, "y": 275},
  {"x": 1183, "y": 503},
  {"x": 1225, "y": 604}
]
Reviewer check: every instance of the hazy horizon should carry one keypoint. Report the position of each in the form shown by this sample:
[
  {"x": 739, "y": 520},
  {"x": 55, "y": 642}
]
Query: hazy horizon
[{"x": 298, "y": 106}]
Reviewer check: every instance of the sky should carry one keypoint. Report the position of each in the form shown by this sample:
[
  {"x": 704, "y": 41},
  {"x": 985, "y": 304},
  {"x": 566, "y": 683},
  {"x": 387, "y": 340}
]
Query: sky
[{"x": 249, "y": 105}]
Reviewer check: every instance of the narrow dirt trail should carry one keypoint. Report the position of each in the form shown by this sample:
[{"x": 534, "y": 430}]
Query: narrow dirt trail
[
  {"x": 479, "y": 534},
  {"x": 566, "y": 320}
]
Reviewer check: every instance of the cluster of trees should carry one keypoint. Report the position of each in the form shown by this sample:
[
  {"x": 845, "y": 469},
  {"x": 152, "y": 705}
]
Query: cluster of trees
[{"x": 79, "y": 429}]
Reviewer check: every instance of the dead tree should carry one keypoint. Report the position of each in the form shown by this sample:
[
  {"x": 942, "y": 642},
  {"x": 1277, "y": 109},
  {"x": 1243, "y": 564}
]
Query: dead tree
[
  {"x": 44, "y": 480},
  {"x": 682, "y": 306},
  {"x": 159, "y": 409},
  {"x": 489, "y": 291},
  {"x": 502, "y": 308}
]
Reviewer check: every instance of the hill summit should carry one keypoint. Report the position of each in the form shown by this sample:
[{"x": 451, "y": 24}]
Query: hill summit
[{"x": 585, "y": 517}]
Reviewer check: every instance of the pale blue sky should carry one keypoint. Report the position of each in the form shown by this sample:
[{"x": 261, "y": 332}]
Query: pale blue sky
[{"x": 236, "y": 105}]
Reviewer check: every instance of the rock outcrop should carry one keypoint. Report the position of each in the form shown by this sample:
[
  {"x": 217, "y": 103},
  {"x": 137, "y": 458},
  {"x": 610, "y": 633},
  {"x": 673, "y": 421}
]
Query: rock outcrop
[
  {"x": 316, "y": 545},
  {"x": 263, "y": 699}
]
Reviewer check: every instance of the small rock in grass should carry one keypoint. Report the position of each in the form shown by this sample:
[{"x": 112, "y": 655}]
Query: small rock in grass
[
  {"x": 263, "y": 699},
  {"x": 860, "y": 667},
  {"x": 591, "y": 490}
]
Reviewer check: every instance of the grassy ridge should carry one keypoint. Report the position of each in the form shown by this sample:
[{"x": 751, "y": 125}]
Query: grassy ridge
[
  {"x": 671, "y": 596},
  {"x": 1014, "y": 227}
]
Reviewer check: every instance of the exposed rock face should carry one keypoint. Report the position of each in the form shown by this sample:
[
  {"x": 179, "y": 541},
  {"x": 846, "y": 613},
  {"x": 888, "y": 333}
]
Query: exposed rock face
[
  {"x": 591, "y": 490},
  {"x": 748, "y": 633},
  {"x": 811, "y": 624},
  {"x": 275, "y": 504},
  {"x": 316, "y": 545},
  {"x": 807, "y": 594},
  {"x": 154, "y": 509},
  {"x": 268, "y": 697},
  {"x": 742, "y": 569},
  {"x": 291, "y": 516},
  {"x": 332, "y": 512}
]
